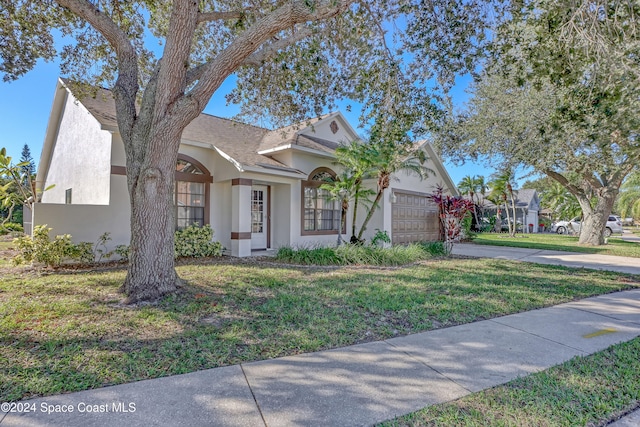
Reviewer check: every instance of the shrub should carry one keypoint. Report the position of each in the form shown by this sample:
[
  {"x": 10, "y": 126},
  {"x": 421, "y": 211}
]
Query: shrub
[
  {"x": 83, "y": 252},
  {"x": 361, "y": 254},
  {"x": 10, "y": 227},
  {"x": 122, "y": 251},
  {"x": 40, "y": 248},
  {"x": 381, "y": 236},
  {"x": 467, "y": 230},
  {"x": 196, "y": 241},
  {"x": 435, "y": 249},
  {"x": 316, "y": 256}
]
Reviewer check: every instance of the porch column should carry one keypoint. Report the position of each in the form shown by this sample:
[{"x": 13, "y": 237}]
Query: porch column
[{"x": 241, "y": 217}]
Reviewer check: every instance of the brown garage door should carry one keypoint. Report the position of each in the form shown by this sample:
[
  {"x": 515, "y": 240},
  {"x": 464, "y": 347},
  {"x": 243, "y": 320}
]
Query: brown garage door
[{"x": 415, "y": 219}]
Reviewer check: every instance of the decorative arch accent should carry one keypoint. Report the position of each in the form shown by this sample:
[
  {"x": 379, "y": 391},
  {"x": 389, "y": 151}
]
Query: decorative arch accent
[
  {"x": 319, "y": 214},
  {"x": 318, "y": 172},
  {"x": 191, "y": 192}
]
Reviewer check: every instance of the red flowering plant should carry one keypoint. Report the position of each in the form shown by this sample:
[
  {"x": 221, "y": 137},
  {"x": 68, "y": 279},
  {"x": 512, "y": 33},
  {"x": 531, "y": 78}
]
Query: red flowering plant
[{"x": 451, "y": 210}]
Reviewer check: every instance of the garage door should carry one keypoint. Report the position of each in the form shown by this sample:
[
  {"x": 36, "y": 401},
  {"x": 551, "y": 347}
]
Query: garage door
[{"x": 415, "y": 219}]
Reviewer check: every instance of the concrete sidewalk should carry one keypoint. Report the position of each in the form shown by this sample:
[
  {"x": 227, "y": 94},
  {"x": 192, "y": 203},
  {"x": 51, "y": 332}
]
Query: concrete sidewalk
[
  {"x": 568, "y": 259},
  {"x": 357, "y": 385}
]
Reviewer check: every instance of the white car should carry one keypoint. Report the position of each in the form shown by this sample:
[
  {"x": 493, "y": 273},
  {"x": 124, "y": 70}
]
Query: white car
[{"x": 614, "y": 225}]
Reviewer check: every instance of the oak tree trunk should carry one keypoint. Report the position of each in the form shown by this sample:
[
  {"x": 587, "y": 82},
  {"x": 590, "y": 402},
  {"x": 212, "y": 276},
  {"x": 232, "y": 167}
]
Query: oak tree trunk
[
  {"x": 595, "y": 218},
  {"x": 151, "y": 272}
]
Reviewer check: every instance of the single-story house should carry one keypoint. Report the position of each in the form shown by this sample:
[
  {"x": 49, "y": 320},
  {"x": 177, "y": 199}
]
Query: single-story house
[
  {"x": 256, "y": 187},
  {"x": 527, "y": 209}
]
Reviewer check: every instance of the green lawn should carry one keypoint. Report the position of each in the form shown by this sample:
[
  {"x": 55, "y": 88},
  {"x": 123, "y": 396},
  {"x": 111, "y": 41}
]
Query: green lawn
[
  {"x": 67, "y": 331},
  {"x": 559, "y": 242},
  {"x": 585, "y": 391}
]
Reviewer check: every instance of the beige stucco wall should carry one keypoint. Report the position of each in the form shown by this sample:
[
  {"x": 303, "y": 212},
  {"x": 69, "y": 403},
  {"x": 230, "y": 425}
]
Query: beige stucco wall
[
  {"x": 81, "y": 159},
  {"x": 403, "y": 180},
  {"x": 323, "y": 130},
  {"x": 86, "y": 223}
]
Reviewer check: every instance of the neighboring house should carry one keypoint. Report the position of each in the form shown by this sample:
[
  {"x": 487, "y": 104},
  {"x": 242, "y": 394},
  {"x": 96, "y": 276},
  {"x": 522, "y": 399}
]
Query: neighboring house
[
  {"x": 527, "y": 209},
  {"x": 257, "y": 188}
]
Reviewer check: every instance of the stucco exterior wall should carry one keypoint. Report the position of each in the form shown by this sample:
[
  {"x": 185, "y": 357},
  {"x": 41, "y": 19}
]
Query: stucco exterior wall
[
  {"x": 81, "y": 160},
  {"x": 323, "y": 130},
  {"x": 377, "y": 220},
  {"x": 86, "y": 223}
]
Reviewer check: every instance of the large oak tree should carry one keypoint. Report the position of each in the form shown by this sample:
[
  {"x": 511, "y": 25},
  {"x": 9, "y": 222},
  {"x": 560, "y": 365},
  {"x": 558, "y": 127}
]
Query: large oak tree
[
  {"x": 561, "y": 95},
  {"x": 292, "y": 59}
]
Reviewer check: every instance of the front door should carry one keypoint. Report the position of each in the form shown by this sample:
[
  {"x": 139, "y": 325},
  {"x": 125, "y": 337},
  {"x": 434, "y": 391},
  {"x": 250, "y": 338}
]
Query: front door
[{"x": 259, "y": 219}]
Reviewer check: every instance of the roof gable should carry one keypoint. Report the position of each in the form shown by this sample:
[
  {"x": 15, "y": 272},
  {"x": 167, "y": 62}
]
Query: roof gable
[
  {"x": 235, "y": 141},
  {"x": 321, "y": 135}
]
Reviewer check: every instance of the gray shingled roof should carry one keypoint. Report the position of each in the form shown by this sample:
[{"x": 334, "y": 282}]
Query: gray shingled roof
[
  {"x": 284, "y": 136},
  {"x": 524, "y": 199},
  {"x": 237, "y": 140}
]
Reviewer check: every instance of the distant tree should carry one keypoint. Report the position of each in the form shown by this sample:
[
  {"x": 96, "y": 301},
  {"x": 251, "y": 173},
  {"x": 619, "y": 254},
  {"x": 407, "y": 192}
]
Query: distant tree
[
  {"x": 475, "y": 188},
  {"x": 29, "y": 167},
  {"x": 17, "y": 188},
  {"x": 560, "y": 95},
  {"x": 561, "y": 202},
  {"x": 628, "y": 203},
  {"x": 502, "y": 187}
]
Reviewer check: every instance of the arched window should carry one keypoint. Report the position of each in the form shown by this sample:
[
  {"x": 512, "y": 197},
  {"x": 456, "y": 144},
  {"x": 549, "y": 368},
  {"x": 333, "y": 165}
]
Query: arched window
[
  {"x": 191, "y": 194},
  {"x": 320, "y": 214}
]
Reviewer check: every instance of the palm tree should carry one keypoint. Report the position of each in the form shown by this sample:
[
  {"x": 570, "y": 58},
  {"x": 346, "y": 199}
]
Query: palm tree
[
  {"x": 481, "y": 192},
  {"x": 388, "y": 157},
  {"x": 628, "y": 204},
  {"x": 503, "y": 188},
  {"x": 560, "y": 201},
  {"x": 474, "y": 187},
  {"x": 354, "y": 158}
]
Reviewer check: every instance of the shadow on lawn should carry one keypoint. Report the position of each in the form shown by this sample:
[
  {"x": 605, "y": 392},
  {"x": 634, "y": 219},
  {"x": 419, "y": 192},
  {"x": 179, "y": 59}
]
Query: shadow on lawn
[{"x": 228, "y": 313}]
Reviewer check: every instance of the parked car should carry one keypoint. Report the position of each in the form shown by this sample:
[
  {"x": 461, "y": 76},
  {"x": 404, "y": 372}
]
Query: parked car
[{"x": 614, "y": 225}]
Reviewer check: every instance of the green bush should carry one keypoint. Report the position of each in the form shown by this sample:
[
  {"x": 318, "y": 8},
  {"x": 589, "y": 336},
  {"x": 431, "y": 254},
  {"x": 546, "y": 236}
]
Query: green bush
[
  {"x": 11, "y": 227},
  {"x": 435, "y": 249},
  {"x": 467, "y": 231},
  {"x": 380, "y": 238},
  {"x": 40, "y": 248},
  {"x": 361, "y": 254},
  {"x": 315, "y": 256},
  {"x": 83, "y": 252},
  {"x": 122, "y": 251},
  {"x": 196, "y": 241}
]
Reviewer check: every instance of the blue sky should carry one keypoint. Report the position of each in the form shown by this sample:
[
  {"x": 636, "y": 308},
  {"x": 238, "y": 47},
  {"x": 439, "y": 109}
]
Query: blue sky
[{"x": 25, "y": 105}]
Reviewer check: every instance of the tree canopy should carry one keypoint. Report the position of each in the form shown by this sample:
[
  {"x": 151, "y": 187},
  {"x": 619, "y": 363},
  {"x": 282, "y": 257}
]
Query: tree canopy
[
  {"x": 292, "y": 58},
  {"x": 560, "y": 94}
]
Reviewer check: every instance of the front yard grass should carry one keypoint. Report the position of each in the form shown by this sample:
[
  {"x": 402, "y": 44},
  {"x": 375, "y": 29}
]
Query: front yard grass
[
  {"x": 585, "y": 391},
  {"x": 67, "y": 331},
  {"x": 559, "y": 242}
]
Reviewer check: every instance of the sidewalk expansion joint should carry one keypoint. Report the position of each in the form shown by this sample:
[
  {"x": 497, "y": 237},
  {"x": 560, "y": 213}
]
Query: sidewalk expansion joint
[
  {"x": 253, "y": 395},
  {"x": 585, "y": 352},
  {"x": 428, "y": 366}
]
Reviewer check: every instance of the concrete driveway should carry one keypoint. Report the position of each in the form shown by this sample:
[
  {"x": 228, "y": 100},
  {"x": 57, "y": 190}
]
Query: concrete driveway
[{"x": 568, "y": 259}]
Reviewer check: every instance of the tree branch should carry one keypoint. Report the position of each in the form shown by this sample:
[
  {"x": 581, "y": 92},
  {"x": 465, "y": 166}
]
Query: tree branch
[
  {"x": 234, "y": 55},
  {"x": 102, "y": 23},
  {"x": 267, "y": 52},
  {"x": 126, "y": 87},
  {"x": 218, "y": 16},
  {"x": 576, "y": 191}
]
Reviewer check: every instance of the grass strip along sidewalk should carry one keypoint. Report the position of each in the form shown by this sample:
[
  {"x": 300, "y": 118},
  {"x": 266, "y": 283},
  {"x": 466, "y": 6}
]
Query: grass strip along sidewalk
[
  {"x": 585, "y": 391},
  {"x": 559, "y": 242},
  {"x": 67, "y": 331}
]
